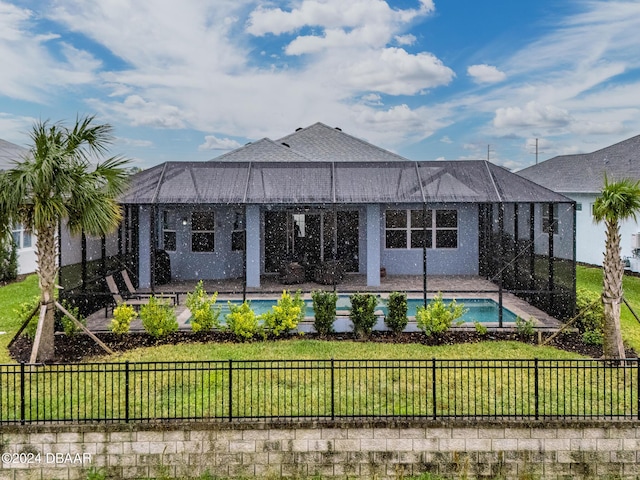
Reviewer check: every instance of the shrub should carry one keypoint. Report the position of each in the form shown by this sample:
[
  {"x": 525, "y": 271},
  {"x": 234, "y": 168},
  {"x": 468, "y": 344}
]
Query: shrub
[
  {"x": 8, "y": 261},
  {"x": 21, "y": 313},
  {"x": 437, "y": 317},
  {"x": 204, "y": 315},
  {"x": 158, "y": 318},
  {"x": 68, "y": 325},
  {"x": 591, "y": 323},
  {"x": 362, "y": 314},
  {"x": 242, "y": 321},
  {"x": 481, "y": 329},
  {"x": 525, "y": 328},
  {"x": 123, "y": 315},
  {"x": 324, "y": 306},
  {"x": 286, "y": 314},
  {"x": 396, "y": 318}
]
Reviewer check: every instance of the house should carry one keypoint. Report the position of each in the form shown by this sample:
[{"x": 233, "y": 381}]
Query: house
[
  {"x": 581, "y": 178},
  {"x": 320, "y": 194},
  {"x": 25, "y": 240}
]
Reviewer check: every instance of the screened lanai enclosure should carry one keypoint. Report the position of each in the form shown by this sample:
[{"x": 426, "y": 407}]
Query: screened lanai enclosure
[{"x": 244, "y": 220}]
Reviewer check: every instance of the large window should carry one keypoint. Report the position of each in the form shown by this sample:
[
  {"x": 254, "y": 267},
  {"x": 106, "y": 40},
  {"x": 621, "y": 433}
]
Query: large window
[
  {"x": 202, "y": 231},
  {"x": 405, "y": 229},
  {"x": 21, "y": 237},
  {"x": 169, "y": 231}
]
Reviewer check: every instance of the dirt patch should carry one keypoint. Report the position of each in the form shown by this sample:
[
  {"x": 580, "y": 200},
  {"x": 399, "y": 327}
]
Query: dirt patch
[{"x": 82, "y": 348}]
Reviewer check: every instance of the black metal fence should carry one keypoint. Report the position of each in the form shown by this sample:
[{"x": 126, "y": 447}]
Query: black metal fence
[{"x": 319, "y": 389}]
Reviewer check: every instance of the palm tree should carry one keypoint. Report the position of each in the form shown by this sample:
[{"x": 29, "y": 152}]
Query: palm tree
[
  {"x": 619, "y": 201},
  {"x": 57, "y": 182}
]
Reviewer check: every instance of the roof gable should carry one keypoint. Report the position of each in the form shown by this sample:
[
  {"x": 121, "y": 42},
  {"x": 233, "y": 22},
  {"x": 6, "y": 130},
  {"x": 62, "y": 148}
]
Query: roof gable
[
  {"x": 322, "y": 143},
  {"x": 9, "y": 153},
  {"x": 263, "y": 150}
]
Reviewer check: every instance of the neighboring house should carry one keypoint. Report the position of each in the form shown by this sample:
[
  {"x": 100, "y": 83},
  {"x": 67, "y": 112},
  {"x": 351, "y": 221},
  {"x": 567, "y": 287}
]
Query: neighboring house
[
  {"x": 26, "y": 242},
  {"x": 581, "y": 178},
  {"x": 320, "y": 194}
]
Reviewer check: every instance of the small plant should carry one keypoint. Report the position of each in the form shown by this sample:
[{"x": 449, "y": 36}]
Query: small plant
[
  {"x": 68, "y": 325},
  {"x": 26, "y": 308},
  {"x": 525, "y": 328},
  {"x": 437, "y": 317},
  {"x": 204, "y": 315},
  {"x": 286, "y": 314},
  {"x": 362, "y": 314},
  {"x": 158, "y": 318},
  {"x": 123, "y": 315},
  {"x": 96, "y": 474},
  {"x": 242, "y": 321},
  {"x": 324, "y": 307},
  {"x": 592, "y": 337},
  {"x": 396, "y": 318},
  {"x": 481, "y": 329}
]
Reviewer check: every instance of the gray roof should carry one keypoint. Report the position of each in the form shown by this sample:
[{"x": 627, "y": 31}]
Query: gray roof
[
  {"x": 322, "y": 143},
  {"x": 345, "y": 182},
  {"x": 9, "y": 153},
  {"x": 584, "y": 173}
]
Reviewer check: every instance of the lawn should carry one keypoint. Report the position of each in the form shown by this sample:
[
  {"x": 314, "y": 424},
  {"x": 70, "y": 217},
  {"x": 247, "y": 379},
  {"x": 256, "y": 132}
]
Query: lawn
[{"x": 11, "y": 296}]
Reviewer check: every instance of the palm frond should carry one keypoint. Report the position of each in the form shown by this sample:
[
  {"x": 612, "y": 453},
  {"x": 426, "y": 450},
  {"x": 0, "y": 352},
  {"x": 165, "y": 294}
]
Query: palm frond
[{"x": 618, "y": 201}]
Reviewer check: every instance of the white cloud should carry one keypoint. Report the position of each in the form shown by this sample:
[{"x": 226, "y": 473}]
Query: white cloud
[
  {"x": 141, "y": 112},
  {"x": 532, "y": 115},
  {"x": 485, "y": 73},
  {"x": 405, "y": 39},
  {"x": 134, "y": 142},
  {"x": 37, "y": 63},
  {"x": 446, "y": 139},
  {"x": 396, "y": 72},
  {"x": 211, "y": 142}
]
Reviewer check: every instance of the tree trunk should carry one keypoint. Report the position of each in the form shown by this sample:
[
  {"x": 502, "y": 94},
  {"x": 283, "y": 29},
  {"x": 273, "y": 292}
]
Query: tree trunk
[
  {"x": 612, "y": 293},
  {"x": 47, "y": 271}
]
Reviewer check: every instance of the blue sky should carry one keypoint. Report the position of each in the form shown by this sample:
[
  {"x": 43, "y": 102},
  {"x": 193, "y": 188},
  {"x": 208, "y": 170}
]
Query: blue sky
[{"x": 428, "y": 79}]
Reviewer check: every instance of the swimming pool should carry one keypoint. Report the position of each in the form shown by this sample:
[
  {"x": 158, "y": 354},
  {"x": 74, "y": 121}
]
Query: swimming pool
[{"x": 483, "y": 310}]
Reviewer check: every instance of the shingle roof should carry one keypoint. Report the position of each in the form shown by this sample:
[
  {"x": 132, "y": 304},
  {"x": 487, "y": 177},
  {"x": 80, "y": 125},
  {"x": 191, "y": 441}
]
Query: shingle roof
[
  {"x": 584, "y": 173},
  {"x": 265, "y": 149},
  {"x": 322, "y": 143},
  {"x": 10, "y": 152},
  {"x": 345, "y": 182}
]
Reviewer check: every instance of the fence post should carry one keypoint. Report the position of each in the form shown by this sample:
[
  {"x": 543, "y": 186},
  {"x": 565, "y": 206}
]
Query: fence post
[
  {"x": 230, "y": 389},
  {"x": 333, "y": 390},
  {"x": 22, "y": 400},
  {"x": 433, "y": 387},
  {"x": 536, "y": 390},
  {"x": 126, "y": 391}
]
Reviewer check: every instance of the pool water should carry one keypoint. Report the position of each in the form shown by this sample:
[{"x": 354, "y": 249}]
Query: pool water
[{"x": 481, "y": 310}]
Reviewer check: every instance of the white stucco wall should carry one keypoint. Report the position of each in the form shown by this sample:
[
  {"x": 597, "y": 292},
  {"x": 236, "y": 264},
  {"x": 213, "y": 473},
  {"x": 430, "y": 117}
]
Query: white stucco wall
[{"x": 590, "y": 237}]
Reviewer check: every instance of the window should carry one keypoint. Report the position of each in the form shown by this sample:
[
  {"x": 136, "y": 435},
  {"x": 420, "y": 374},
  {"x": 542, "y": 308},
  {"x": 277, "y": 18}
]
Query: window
[
  {"x": 545, "y": 218},
  {"x": 21, "y": 237},
  {"x": 169, "y": 231},
  {"x": 578, "y": 207},
  {"x": 202, "y": 237},
  {"x": 405, "y": 229},
  {"x": 237, "y": 234}
]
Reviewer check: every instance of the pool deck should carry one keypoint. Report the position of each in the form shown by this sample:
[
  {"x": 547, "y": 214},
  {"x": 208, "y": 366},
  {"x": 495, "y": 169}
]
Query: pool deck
[{"x": 454, "y": 286}]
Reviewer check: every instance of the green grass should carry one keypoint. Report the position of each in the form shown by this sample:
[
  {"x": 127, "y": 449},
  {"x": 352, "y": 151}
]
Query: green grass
[
  {"x": 11, "y": 296},
  {"x": 591, "y": 279}
]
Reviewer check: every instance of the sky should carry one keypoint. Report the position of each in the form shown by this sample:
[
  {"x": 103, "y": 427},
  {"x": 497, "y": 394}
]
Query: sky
[{"x": 427, "y": 79}]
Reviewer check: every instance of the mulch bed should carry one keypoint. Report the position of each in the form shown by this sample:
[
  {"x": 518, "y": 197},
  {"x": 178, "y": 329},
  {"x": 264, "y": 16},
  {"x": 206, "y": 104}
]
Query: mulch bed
[{"x": 81, "y": 348}]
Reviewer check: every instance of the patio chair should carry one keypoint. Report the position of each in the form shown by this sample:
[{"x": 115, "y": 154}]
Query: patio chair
[
  {"x": 117, "y": 297},
  {"x": 133, "y": 293}
]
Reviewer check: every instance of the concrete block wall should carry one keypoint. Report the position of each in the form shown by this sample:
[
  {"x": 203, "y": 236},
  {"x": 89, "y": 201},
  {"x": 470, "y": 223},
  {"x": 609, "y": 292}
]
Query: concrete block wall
[{"x": 545, "y": 450}]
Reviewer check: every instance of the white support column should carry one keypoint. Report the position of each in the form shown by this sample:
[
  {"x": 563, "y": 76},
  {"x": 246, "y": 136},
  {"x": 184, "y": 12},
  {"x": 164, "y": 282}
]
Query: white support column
[
  {"x": 253, "y": 245},
  {"x": 373, "y": 245},
  {"x": 144, "y": 242}
]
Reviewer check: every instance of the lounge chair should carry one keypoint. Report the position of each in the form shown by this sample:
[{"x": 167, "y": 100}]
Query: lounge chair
[
  {"x": 117, "y": 297},
  {"x": 133, "y": 293}
]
